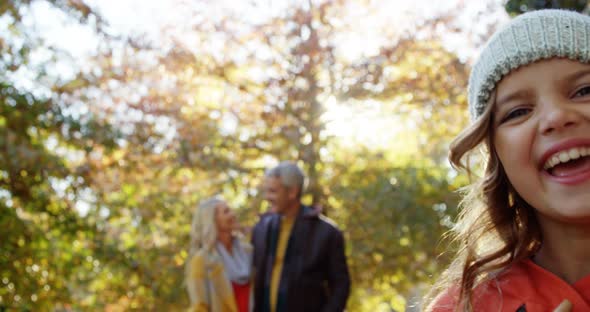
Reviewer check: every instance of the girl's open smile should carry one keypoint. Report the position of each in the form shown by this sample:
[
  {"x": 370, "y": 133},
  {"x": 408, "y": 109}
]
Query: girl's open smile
[{"x": 542, "y": 135}]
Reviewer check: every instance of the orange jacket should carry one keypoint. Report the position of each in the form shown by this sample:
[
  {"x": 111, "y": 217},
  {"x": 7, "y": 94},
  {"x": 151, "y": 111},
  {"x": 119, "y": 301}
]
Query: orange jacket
[{"x": 523, "y": 287}]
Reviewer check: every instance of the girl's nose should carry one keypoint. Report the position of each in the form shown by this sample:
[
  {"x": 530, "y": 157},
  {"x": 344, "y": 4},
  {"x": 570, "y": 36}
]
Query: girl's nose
[{"x": 557, "y": 117}]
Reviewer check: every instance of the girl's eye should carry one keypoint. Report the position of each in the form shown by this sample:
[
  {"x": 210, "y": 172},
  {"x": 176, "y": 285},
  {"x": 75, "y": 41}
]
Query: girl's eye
[
  {"x": 584, "y": 91},
  {"x": 515, "y": 113}
]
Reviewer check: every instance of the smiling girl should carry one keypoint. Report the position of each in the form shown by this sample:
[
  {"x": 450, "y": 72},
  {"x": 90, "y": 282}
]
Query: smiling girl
[{"x": 524, "y": 227}]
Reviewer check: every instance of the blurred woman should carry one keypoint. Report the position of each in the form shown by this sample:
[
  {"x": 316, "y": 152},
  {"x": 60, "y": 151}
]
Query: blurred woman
[{"x": 218, "y": 269}]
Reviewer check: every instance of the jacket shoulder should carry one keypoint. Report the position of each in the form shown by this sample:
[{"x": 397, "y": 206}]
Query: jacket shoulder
[
  {"x": 314, "y": 214},
  {"x": 513, "y": 287},
  {"x": 328, "y": 222}
]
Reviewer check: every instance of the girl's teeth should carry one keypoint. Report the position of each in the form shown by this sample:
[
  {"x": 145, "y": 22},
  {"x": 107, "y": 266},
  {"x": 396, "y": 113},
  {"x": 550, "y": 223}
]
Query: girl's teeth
[
  {"x": 554, "y": 161},
  {"x": 574, "y": 153},
  {"x": 564, "y": 156}
]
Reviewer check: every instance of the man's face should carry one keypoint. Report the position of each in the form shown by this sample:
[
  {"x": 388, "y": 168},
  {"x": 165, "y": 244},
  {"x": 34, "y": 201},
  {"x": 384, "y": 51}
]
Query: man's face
[{"x": 277, "y": 195}]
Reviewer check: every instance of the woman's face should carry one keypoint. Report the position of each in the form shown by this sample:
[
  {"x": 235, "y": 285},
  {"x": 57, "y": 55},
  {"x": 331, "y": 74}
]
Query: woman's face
[
  {"x": 541, "y": 123},
  {"x": 225, "y": 219}
]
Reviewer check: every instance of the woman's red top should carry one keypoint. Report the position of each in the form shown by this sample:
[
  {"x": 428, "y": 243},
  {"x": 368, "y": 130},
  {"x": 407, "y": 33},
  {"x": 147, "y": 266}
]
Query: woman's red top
[{"x": 242, "y": 294}]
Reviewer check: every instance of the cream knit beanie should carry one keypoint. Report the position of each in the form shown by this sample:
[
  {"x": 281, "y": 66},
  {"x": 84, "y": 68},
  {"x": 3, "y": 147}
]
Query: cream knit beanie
[{"x": 528, "y": 38}]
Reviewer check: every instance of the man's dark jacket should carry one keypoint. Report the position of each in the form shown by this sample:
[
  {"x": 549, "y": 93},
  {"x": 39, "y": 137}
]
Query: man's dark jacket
[{"x": 315, "y": 275}]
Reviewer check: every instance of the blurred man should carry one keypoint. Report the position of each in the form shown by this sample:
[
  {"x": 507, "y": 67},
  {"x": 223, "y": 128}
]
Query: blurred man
[{"x": 299, "y": 259}]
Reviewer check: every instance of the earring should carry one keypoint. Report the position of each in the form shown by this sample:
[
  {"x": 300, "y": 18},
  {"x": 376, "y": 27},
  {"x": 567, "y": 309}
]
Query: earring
[{"x": 510, "y": 200}]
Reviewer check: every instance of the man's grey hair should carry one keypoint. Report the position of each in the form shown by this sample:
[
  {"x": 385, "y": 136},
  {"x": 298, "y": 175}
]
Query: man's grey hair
[{"x": 289, "y": 174}]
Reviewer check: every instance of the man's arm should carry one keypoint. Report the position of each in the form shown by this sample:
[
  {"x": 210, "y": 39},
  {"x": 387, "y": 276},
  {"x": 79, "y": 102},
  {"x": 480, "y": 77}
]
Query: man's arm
[{"x": 338, "y": 276}]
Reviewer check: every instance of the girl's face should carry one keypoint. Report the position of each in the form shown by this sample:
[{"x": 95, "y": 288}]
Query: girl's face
[
  {"x": 541, "y": 122},
  {"x": 225, "y": 219}
]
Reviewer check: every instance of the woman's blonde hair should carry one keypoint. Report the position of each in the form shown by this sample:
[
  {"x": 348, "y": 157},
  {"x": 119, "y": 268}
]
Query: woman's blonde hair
[
  {"x": 203, "y": 239},
  {"x": 203, "y": 235},
  {"x": 495, "y": 228}
]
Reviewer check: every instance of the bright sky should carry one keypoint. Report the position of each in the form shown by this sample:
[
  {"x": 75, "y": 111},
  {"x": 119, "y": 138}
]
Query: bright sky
[
  {"x": 353, "y": 123},
  {"x": 149, "y": 17}
]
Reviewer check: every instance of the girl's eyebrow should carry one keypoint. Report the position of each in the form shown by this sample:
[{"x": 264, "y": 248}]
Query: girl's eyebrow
[
  {"x": 577, "y": 75},
  {"x": 513, "y": 96},
  {"x": 524, "y": 93}
]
